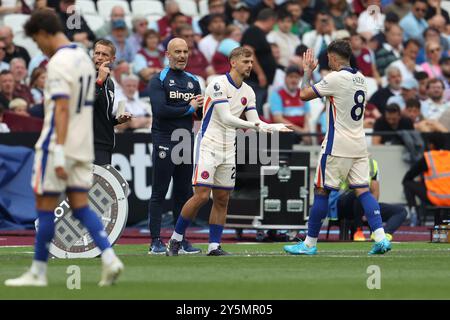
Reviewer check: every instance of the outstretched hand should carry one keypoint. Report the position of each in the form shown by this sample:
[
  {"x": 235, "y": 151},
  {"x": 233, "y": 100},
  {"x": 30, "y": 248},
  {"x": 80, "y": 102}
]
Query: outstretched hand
[
  {"x": 309, "y": 61},
  {"x": 281, "y": 127},
  {"x": 272, "y": 127}
]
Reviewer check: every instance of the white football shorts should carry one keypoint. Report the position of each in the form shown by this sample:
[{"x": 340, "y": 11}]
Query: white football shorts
[
  {"x": 333, "y": 171},
  {"x": 214, "y": 166},
  {"x": 45, "y": 182}
]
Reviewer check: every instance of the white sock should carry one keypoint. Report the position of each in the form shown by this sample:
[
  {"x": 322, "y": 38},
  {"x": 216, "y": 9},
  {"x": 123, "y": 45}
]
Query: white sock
[
  {"x": 39, "y": 268},
  {"x": 108, "y": 256},
  {"x": 177, "y": 236},
  {"x": 379, "y": 234},
  {"x": 411, "y": 212},
  {"x": 310, "y": 241},
  {"x": 213, "y": 246}
]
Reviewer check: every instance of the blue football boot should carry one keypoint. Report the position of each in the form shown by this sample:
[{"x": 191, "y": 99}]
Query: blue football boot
[
  {"x": 381, "y": 247},
  {"x": 187, "y": 248},
  {"x": 300, "y": 248},
  {"x": 157, "y": 247}
]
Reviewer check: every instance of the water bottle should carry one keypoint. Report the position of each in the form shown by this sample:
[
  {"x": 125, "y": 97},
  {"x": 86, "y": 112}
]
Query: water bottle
[
  {"x": 413, "y": 221},
  {"x": 443, "y": 233},
  {"x": 436, "y": 235}
]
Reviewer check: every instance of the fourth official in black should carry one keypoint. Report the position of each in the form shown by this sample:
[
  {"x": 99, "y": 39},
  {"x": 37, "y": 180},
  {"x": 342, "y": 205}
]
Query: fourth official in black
[{"x": 104, "y": 120}]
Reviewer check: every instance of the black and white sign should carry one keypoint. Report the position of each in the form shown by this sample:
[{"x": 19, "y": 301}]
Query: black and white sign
[{"x": 108, "y": 199}]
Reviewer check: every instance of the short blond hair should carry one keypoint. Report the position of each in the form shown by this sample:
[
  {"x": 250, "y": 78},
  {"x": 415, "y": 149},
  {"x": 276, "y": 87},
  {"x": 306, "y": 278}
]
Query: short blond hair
[
  {"x": 239, "y": 52},
  {"x": 17, "y": 103}
]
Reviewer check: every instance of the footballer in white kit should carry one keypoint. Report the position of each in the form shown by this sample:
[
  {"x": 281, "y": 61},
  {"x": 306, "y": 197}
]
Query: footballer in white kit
[
  {"x": 215, "y": 149},
  {"x": 227, "y": 99},
  {"x": 65, "y": 149},
  {"x": 344, "y": 150},
  {"x": 71, "y": 74}
]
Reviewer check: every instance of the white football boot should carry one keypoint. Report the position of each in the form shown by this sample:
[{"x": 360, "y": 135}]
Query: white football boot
[
  {"x": 28, "y": 279},
  {"x": 110, "y": 272}
]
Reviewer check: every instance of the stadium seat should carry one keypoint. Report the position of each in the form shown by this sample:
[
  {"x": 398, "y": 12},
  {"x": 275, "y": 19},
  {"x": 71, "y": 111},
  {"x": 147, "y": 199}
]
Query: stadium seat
[
  {"x": 19, "y": 123},
  {"x": 445, "y": 5},
  {"x": 203, "y": 6},
  {"x": 86, "y": 7},
  {"x": 147, "y": 7},
  {"x": 202, "y": 83},
  {"x": 128, "y": 20},
  {"x": 266, "y": 110},
  {"x": 372, "y": 87},
  {"x": 15, "y": 21},
  {"x": 153, "y": 18},
  {"x": 94, "y": 22},
  {"x": 104, "y": 7},
  {"x": 22, "y": 40},
  {"x": 188, "y": 7}
]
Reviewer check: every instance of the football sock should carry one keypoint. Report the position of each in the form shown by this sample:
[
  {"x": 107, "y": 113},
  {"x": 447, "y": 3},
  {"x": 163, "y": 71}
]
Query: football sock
[
  {"x": 180, "y": 228},
  {"x": 310, "y": 241},
  {"x": 39, "y": 268},
  {"x": 213, "y": 246},
  {"x": 215, "y": 235},
  {"x": 379, "y": 234},
  {"x": 177, "y": 236},
  {"x": 372, "y": 212},
  {"x": 44, "y": 235},
  {"x": 95, "y": 227},
  {"x": 108, "y": 256},
  {"x": 318, "y": 212}
]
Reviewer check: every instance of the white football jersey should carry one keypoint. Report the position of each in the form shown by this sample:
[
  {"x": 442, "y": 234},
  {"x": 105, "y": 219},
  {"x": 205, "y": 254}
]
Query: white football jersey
[
  {"x": 346, "y": 93},
  {"x": 70, "y": 73},
  {"x": 222, "y": 92}
]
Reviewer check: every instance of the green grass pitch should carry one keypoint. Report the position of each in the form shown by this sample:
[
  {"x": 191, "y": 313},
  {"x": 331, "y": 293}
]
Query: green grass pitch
[{"x": 254, "y": 271}]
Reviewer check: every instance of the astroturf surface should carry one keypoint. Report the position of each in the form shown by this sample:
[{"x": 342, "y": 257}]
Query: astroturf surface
[{"x": 254, "y": 271}]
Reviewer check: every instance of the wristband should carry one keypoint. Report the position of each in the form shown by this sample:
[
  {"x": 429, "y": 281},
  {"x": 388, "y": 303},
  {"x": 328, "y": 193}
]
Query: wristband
[
  {"x": 190, "y": 111},
  {"x": 99, "y": 82},
  {"x": 59, "y": 159}
]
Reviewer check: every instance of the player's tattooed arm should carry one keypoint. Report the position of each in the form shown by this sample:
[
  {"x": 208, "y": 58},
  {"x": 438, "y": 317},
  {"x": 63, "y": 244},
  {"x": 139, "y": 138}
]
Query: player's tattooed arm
[
  {"x": 308, "y": 92},
  {"x": 306, "y": 80}
]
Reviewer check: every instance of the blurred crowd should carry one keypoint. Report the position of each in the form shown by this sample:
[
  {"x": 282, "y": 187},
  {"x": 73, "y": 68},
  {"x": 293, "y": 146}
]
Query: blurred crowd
[{"x": 401, "y": 46}]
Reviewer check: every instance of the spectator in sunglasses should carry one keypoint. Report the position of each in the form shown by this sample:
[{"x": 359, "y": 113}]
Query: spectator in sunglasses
[
  {"x": 431, "y": 66},
  {"x": 414, "y": 23}
]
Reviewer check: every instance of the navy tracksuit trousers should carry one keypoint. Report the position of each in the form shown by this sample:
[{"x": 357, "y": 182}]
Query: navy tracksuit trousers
[{"x": 163, "y": 171}]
